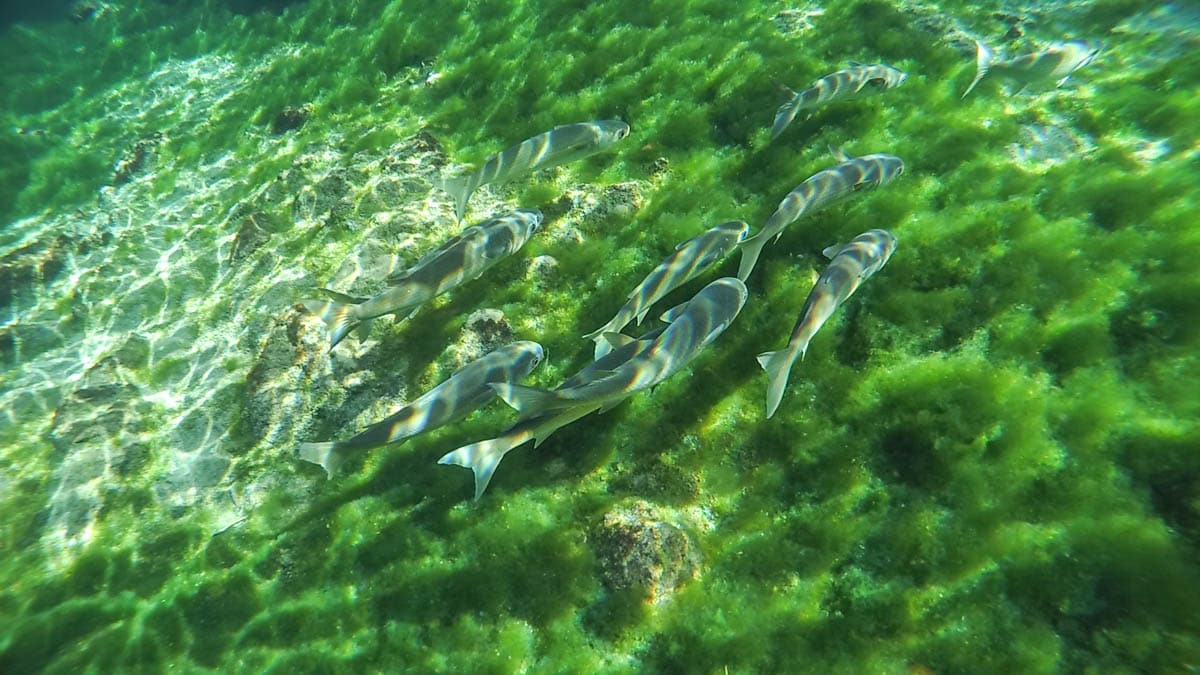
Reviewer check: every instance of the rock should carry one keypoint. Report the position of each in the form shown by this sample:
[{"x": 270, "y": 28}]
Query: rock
[
  {"x": 637, "y": 549},
  {"x": 291, "y": 370},
  {"x": 36, "y": 263},
  {"x": 290, "y": 119},
  {"x": 136, "y": 159},
  {"x": 1045, "y": 145},
  {"x": 250, "y": 237},
  {"x": 621, "y": 200},
  {"x": 485, "y": 330},
  {"x": 792, "y": 22},
  {"x": 92, "y": 431},
  {"x": 660, "y": 166},
  {"x": 542, "y": 269},
  {"x": 949, "y": 30}
]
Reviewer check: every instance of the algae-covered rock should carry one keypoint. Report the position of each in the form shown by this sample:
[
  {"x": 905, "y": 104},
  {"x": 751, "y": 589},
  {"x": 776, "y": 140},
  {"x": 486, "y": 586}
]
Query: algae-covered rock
[
  {"x": 485, "y": 330},
  {"x": 291, "y": 369},
  {"x": 638, "y": 549},
  {"x": 290, "y": 119}
]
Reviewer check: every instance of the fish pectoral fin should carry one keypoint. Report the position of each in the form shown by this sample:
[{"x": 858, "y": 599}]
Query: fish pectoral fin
[
  {"x": 840, "y": 154},
  {"x": 830, "y": 251},
  {"x": 364, "y": 330},
  {"x": 616, "y": 340},
  {"x": 528, "y": 401}
]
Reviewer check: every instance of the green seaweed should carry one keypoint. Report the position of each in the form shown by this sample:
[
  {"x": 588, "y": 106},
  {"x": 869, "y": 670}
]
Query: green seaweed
[{"x": 985, "y": 463}]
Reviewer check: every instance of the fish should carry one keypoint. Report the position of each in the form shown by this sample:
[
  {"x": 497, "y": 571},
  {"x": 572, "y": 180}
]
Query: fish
[
  {"x": 1054, "y": 63},
  {"x": 484, "y": 456},
  {"x": 631, "y": 366},
  {"x": 854, "y": 82},
  {"x": 691, "y": 327},
  {"x": 689, "y": 259},
  {"x": 849, "y": 266},
  {"x": 850, "y": 175},
  {"x": 462, "y": 258},
  {"x": 560, "y": 145},
  {"x": 466, "y": 390}
]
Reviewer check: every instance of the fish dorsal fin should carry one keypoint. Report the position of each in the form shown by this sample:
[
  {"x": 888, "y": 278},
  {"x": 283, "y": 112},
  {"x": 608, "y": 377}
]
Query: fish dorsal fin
[
  {"x": 673, "y": 313},
  {"x": 831, "y": 251},
  {"x": 616, "y": 340},
  {"x": 398, "y": 277},
  {"x": 840, "y": 154},
  {"x": 854, "y": 64},
  {"x": 341, "y": 297}
]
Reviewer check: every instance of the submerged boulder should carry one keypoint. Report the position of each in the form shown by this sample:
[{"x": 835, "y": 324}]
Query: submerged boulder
[{"x": 638, "y": 549}]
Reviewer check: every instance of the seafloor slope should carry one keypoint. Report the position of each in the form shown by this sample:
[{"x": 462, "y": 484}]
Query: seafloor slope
[{"x": 986, "y": 463}]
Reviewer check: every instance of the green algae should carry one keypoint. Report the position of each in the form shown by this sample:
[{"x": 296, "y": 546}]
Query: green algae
[{"x": 986, "y": 462}]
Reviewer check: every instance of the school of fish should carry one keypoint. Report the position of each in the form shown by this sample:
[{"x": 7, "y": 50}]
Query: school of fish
[{"x": 623, "y": 365}]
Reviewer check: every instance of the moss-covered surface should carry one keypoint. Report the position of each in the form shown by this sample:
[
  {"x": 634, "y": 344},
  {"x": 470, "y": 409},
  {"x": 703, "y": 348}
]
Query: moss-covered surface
[{"x": 988, "y": 461}]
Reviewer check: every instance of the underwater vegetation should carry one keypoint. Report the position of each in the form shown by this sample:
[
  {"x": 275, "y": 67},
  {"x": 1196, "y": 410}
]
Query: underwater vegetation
[{"x": 987, "y": 461}]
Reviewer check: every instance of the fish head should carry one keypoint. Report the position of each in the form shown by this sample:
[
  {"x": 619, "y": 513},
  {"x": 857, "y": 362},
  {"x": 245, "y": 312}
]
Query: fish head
[
  {"x": 895, "y": 77},
  {"x": 881, "y": 243},
  {"x": 611, "y": 131},
  {"x": 530, "y": 218},
  {"x": 536, "y": 354},
  {"x": 738, "y": 229},
  {"x": 727, "y": 294},
  {"x": 1086, "y": 52},
  {"x": 890, "y": 167}
]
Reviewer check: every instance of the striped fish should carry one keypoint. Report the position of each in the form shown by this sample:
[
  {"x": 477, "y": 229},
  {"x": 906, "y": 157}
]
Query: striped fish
[
  {"x": 849, "y": 266},
  {"x": 1053, "y": 64},
  {"x": 689, "y": 259},
  {"x": 631, "y": 366},
  {"x": 560, "y": 145},
  {"x": 483, "y": 457},
  {"x": 464, "y": 391},
  {"x": 851, "y": 175},
  {"x": 857, "y": 81},
  {"x": 692, "y": 326},
  {"x": 463, "y": 258}
]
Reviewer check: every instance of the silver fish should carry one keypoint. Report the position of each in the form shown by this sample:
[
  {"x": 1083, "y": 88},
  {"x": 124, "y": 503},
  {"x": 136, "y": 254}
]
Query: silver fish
[
  {"x": 850, "y": 265},
  {"x": 560, "y": 145},
  {"x": 631, "y": 366},
  {"x": 1054, "y": 63},
  {"x": 693, "y": 325},
  {"x": 483, "y": 457},
  {"x": 689, "y": 259},
  {"x": 854, "y": 82},
  {"x": 851, "y": 175},
  {"x": 463, "y": 258},
  {"x": 466, "y": 390}
]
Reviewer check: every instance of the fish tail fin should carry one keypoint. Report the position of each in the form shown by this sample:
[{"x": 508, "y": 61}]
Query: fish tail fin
[
  {"x": 778, "y": 366},
  {"x": 785, "y": 114},
  {"x": 483, "y": 457},
  {"x": 751, "y": 248},
  {"x": 328, "y": 455},
  {"x": 340, "y": 317},
  {"x": 528, "y": 401},
  {"x": 983, "y": 62},
  {"x": 460, "y": 189}
]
